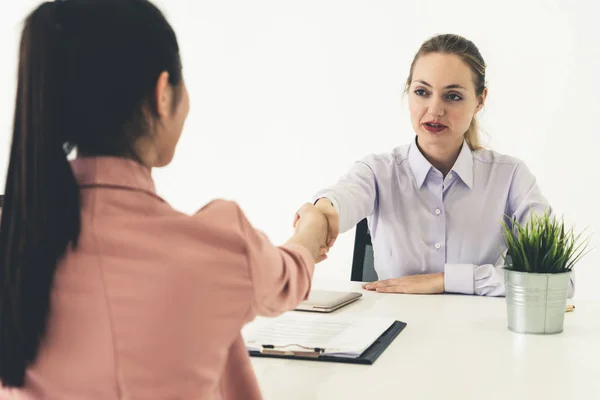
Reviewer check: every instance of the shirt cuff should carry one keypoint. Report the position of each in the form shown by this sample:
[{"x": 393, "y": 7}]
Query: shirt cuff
[
  {"x": 458, "y": 278},
  {"x": 329, "y": 197}
]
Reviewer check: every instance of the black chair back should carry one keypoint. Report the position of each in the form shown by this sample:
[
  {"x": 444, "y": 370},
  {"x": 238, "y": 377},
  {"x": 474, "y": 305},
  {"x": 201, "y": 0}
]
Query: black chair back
[{"x": 363, "y": 263}]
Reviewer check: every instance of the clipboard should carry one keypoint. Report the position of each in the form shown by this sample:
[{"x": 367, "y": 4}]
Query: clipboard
[{"x": 368, "y": 357}]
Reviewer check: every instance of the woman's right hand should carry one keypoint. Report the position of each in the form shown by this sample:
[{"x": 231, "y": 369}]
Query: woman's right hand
[
  {"x": 326, "y": 207},
  {"x": 329, "y": 212},
  {"x": 311, "y": 231}
]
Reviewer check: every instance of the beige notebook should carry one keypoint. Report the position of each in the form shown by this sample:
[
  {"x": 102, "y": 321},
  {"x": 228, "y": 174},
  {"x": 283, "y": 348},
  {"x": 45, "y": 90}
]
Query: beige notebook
[{"x": 327, "y": 300}]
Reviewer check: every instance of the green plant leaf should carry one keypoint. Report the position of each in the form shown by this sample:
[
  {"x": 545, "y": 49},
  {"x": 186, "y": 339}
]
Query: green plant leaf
[{"x": 542, "y": 244}]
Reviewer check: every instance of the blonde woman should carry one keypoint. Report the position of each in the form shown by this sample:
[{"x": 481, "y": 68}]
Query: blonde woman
[{"x": 435, "y": 206}]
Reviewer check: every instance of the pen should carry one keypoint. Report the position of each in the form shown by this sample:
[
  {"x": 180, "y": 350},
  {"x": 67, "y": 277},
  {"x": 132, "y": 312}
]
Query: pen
[
  {"x": 570, "y": 308},
  {"x": 272, "y": 347},
  {"x": 280, "y": 351}
]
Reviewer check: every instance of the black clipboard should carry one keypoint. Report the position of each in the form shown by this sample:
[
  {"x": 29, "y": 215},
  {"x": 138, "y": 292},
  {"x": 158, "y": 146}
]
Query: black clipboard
[{"x": 368, "y": 357}]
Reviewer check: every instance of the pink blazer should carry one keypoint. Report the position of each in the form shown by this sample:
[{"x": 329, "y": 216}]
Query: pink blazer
[{"x": 151, "y": 304}]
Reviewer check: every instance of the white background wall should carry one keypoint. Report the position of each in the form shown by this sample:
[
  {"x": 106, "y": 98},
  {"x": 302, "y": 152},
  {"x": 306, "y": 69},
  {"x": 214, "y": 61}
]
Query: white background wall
[{"x": 287, "y": 94}]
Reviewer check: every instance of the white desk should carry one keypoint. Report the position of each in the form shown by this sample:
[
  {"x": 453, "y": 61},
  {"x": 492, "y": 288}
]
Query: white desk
[{"x": 454, "y": 347}]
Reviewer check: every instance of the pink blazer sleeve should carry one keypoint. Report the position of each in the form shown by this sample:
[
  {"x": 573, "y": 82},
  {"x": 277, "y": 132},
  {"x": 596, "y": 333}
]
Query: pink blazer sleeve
[{"x": 281, "y": 276}]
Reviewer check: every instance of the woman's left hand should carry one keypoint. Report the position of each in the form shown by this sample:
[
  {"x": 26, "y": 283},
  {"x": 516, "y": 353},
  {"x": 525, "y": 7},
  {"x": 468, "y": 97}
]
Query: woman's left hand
[{"x": 413, "y": 284}]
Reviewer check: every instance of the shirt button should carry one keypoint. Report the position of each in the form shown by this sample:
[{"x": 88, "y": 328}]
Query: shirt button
[
  {"x": 437, "y": 246},
  {"x": 438, "y": 211}
]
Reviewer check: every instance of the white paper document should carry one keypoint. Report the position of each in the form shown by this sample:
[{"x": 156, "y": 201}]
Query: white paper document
[{"x": 336, "y": 335}]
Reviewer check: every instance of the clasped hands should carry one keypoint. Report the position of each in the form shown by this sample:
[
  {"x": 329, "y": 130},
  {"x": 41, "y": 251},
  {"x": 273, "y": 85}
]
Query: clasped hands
[{"x": 413, "y": 284}]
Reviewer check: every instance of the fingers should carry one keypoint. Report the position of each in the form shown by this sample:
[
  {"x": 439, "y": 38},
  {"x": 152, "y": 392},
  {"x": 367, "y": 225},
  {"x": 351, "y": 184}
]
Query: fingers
[
  {"x": 317, "y": 224},
  {"x": 334, "y": 227},
  {"x": 316, "y": 220},
  {"x": 306, "y": 207},
  {"x": 368, "y": 286},
  {"x": 387, "y": 286},
  {"x": 394, "y": 285},
  {"x": 383, "y": 283},
  {"x": 322, "y": 254},
  {"x": 327, "y": 208},
  {"x": 392, "y": 289},
  {"x": 322, "y": 257}
]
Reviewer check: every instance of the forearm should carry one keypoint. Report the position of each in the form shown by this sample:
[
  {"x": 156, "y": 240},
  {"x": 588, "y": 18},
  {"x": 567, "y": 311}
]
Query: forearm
[
  {"x": 309, "y": 241},
  {"x": 280, "y": 275},
  {"x": 353, "y": 197}
]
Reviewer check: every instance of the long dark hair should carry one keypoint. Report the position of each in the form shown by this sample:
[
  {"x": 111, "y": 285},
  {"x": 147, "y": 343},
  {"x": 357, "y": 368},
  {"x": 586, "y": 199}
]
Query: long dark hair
[{"x": 87, "y": 71}]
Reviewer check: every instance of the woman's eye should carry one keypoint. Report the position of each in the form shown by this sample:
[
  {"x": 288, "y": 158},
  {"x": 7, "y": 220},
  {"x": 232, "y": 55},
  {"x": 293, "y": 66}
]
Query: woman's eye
[
  {"x": 420, "y": 92},
  {"x": 454, "y": 97}
]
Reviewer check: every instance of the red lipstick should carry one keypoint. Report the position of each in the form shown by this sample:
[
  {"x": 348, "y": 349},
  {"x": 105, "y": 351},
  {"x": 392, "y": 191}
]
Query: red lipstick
[{"x": 434, "y": 127}]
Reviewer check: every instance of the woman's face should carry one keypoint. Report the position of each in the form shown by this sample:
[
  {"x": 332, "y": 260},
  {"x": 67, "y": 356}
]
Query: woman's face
[{"x": 442, "y": 100}]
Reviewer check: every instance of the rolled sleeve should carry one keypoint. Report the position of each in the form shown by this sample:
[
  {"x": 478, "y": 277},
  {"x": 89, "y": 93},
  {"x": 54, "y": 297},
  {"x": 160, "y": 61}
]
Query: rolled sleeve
[{"x": 458, "y": 278}]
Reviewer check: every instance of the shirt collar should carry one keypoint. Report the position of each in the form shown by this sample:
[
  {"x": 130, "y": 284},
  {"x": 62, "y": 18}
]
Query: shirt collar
[
  {"x": 418, "y": 163},
  {"x": 113, "y": 171},
  {"x": 463, "y": 167}
]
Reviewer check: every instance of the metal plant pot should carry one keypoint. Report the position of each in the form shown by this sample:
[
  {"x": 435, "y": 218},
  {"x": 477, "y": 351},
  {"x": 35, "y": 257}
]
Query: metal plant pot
[{"x": 536, "y": 302}]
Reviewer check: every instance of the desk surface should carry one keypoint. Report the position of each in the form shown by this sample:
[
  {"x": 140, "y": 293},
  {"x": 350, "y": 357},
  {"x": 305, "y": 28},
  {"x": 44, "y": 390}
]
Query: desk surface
[{"x": 454, "y": 347}]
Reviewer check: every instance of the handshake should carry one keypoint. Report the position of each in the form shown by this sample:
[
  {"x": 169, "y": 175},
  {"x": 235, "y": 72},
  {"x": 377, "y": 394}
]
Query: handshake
[{"x": 317, "y": 227}]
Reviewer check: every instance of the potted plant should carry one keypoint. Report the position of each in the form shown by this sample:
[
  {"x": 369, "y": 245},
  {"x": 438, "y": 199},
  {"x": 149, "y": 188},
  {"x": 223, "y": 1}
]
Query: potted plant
[{"x": 539, "y": 258}]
